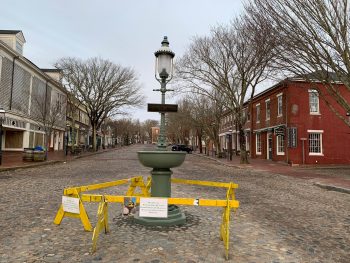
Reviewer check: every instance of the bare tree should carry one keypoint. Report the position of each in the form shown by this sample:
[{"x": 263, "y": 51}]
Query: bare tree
[
  {"x": 179, "y": 124},
  {"x": 49, "y": 112},
  {"x": 314, "y": 45},
  {"x": 206, "y": 114},
  {"x": 232, "y": 61},
  {"x": 101, "y": 86},
  {"x": 147, "y": 128}
]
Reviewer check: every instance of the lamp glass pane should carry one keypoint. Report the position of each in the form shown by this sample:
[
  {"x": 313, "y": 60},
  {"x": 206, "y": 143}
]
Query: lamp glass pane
[{"x": 164, "y": 61}]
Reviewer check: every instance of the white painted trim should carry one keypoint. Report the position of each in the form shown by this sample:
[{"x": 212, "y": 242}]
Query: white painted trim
[
  {"x": 279, "y": 94},
  {"x": 316, "y": 154},
  {"x": 256, "y": 144},
  {"x": 315, "y": 131},
  {"x": 277, "y": 152},
  {"x": 267, "y": 146}
]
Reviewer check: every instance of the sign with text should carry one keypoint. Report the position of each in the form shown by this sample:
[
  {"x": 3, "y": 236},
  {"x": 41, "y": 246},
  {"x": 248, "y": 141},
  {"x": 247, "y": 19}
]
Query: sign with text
[
  {"x": 292, "y": 137},
  {"x": 154, "y": 207},
  {"x": 162, "y": 107},
  {"x": 279, "y": 131},
  {"x": 70, "y": 204}
]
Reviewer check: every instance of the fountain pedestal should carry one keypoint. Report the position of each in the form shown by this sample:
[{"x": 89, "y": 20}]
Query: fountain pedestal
[{"x": 161, "y": 162}]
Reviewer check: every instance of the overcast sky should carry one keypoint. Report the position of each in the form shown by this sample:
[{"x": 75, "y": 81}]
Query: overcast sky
[{"x": 125, "y": 32}]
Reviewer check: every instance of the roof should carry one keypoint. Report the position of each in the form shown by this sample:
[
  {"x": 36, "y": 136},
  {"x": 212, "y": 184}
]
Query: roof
[
  {"x": 10, "y": 32},
  {"x": 51, "y": 70},
  {"x": 317, "y": 75},
  {"x": 35, "y": 67},
  {"x": 13, "y": 32}
]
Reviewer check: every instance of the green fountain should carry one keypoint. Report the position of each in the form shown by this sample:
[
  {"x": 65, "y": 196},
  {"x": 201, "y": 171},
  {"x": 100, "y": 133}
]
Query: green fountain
[{"x": 162, "y": 160}]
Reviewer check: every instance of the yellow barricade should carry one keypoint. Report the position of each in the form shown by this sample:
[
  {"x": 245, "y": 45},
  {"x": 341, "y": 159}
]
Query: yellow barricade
[{"x": 137, "y": 182}]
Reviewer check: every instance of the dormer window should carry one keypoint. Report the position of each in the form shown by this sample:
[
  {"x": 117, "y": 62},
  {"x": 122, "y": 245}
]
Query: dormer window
[{"x": 19, "y": 47}]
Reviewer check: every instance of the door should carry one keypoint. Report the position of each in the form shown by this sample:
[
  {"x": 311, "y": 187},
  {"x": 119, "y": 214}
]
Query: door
[{"x": 269, "y": 146}]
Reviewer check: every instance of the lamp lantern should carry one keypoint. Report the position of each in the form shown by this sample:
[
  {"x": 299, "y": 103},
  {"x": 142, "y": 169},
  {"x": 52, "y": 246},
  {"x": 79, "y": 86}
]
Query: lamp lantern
[{"x": 164, "y": 61}]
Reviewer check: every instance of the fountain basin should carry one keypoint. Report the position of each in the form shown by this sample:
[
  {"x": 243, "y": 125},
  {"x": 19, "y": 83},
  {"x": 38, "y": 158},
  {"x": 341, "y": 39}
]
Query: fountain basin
[{"x": 161, "y": 159}]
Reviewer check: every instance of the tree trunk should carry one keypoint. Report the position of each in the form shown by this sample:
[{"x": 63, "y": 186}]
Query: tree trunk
[
  {"x": 200, "y": 143},
  {"x": 94, "y": 143},
  {"x": 217, "y": 147},
  {"x": 242, "y": 144},
  {"x": 46, "y": 143}
]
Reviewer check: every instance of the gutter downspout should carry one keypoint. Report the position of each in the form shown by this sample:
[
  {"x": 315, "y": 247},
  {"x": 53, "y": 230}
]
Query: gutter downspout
[
  {"x": 12, "y": 79},
  {"x": 287, "y": 149}
]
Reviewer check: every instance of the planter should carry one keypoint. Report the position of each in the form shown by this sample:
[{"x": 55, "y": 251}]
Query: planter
[
  {"x": 28, "y": 154},
  {"x": 38, "y": 156}
]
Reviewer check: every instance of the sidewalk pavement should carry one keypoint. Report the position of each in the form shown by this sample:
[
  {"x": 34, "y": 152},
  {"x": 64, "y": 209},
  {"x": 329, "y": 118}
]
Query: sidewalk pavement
[
  {"x": 334, "y": 178},
  {"x": 13, "y": 160}
]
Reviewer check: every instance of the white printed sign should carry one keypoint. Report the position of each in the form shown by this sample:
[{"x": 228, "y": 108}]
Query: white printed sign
[
  {"x": 154, "y": 207},
  {"x": 70, "y": 204}
]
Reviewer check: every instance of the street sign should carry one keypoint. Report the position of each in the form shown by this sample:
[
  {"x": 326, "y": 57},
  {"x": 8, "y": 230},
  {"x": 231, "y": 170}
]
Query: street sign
[{"x": 162, "y": 107}]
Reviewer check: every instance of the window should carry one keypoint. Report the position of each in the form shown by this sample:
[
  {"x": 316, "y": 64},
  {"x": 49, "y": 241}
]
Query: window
[
  {"x": 19, "y": 48},
  {"x": 280, "y": 144},
  {"x": 314, "y": 102},
  {"x": 279, "y": 105},
  {"x": 315, "y": 142},
  {"x": 267, "y": 104},
  {"x": 257, "y": 112},
  {"x": 247, "y": 148},
  {"x": 258, "y": 143},
  {"x": 248, "y": 115}
]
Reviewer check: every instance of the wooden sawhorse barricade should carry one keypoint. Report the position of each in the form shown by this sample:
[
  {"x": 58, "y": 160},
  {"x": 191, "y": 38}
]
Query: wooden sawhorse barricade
[{"x": 74, "y": 198}]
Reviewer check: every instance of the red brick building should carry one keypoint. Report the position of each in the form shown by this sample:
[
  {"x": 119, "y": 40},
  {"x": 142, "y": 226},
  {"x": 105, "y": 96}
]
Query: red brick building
[{"x": 291, "y": 123}]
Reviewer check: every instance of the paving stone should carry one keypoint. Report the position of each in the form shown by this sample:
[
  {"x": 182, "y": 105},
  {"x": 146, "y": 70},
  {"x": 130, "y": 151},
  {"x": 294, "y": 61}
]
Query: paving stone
[{"x": 280, "y": 219}]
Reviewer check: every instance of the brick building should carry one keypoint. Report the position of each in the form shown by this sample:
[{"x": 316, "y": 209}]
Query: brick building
[{"x": 291, "y": 123}]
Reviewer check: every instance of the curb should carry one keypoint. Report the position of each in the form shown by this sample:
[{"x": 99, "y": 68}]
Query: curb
[
  {"x": 29, "y": 166},
  {"x": 324, "y": 186},
  {"x": 222, "y": 163},
  {"x": 333, "y": 188},
  {"x": 52, "y": 162}
]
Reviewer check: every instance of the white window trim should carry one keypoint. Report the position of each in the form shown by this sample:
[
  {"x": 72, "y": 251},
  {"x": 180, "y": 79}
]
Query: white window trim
[
  {"x": 315, "y": 131},
  {"x": 277, "y": 140},
  {"x": 318, "y": 103},
  {"x": 256, "y": 144},
  {"x": 321, "y": 144},
  {"x": 256, "y": 107},
  {"x": 267, "y": 118},
  {"x": 278, "y": 96}
]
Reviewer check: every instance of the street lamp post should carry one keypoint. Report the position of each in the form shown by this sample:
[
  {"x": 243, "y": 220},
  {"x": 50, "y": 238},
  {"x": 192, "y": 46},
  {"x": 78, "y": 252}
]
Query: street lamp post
[
  {"x": 163, "y": 74},
  {"x": 2, "y": 119},
  {"x": 162, "y": 160}
]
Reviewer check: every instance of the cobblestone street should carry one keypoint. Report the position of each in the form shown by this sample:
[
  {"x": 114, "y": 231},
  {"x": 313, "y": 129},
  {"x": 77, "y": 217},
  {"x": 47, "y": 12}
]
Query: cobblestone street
[{"x": 280, "y": 219}]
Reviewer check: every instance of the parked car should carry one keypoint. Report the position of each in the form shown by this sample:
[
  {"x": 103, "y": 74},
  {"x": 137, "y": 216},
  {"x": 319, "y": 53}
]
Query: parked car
[{"x": 181, "y": 147}]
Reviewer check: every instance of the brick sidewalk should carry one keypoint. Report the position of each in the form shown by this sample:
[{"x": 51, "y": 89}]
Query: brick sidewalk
[
  {"x": 328, "y": 181},
  {"x": 13, "y": 160}
]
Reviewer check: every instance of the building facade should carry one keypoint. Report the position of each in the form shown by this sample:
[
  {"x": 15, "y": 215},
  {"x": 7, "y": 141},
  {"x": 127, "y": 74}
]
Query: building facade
[
  {"x": 31, "y": 97},
  {"x": 290, "y": 122}
]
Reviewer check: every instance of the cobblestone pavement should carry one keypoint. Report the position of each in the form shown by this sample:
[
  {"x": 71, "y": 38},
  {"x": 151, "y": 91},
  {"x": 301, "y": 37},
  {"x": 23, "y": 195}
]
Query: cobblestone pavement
[{"x": 280, "y": 219}]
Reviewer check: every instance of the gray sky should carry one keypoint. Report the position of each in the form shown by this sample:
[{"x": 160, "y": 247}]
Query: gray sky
[{"x": 125, "y": 32}]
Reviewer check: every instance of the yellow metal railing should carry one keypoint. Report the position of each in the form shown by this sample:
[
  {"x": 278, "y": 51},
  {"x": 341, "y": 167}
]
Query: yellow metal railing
[{"x": 135, "y": 183}]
